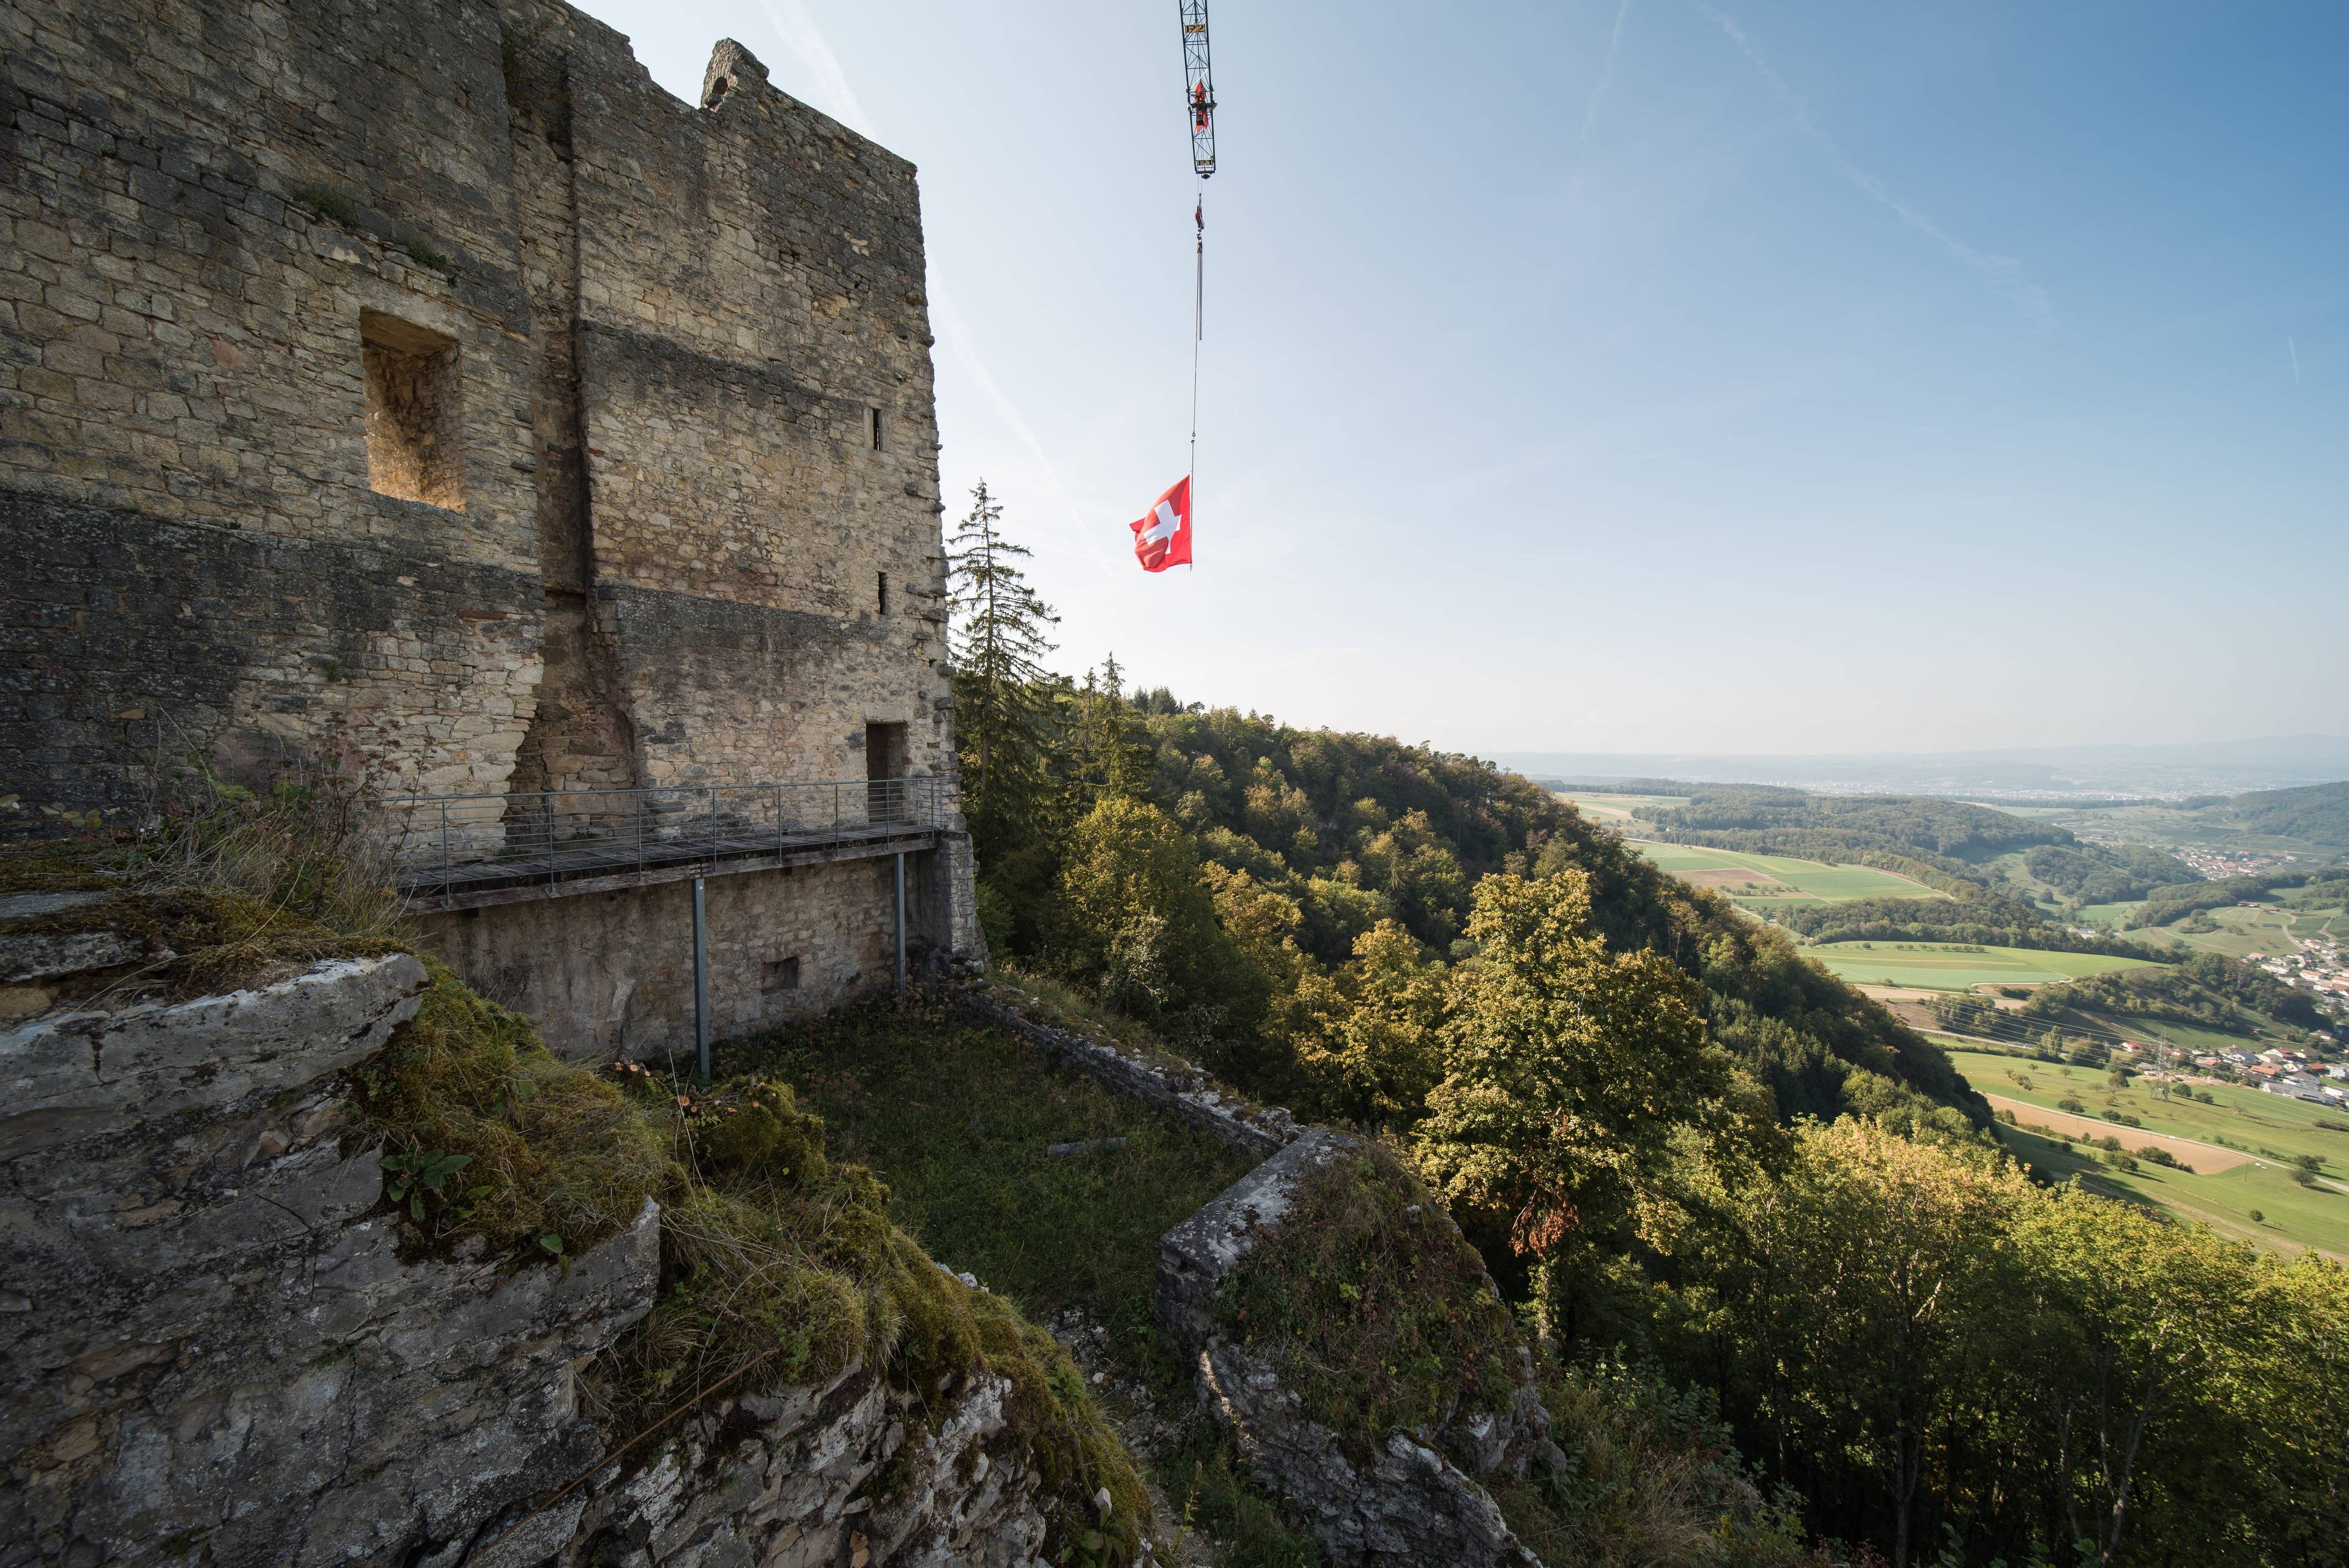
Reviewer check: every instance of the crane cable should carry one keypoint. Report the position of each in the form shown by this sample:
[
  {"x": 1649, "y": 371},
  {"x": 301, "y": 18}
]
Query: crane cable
[
  {"x": 1199, "y": 105},
  {"x": 1198, "y": 330}
]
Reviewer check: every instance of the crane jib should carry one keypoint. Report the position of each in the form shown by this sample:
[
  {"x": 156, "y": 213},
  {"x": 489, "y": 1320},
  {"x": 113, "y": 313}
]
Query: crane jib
[{"x": 1198, "y": 86}]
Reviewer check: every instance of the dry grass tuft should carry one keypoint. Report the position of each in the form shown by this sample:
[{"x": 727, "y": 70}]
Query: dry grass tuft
[{"x": 222, "y": 886}]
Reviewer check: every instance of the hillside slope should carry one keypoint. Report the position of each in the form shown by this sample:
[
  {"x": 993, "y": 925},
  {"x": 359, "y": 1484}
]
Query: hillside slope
[
  {"x": 1356, "y": 829},
  {"x": 2316, "y": 812}
]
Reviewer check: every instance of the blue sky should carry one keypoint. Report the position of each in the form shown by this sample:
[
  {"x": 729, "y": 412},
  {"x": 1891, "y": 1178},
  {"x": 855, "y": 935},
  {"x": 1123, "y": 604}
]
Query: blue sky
[{"x": 1637, "y": 375}]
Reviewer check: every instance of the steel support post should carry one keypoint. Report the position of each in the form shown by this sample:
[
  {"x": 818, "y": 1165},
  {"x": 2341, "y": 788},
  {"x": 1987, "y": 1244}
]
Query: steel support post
[
  {"x": 700, "y": 981},
  {"x": 900, "y": 859}
]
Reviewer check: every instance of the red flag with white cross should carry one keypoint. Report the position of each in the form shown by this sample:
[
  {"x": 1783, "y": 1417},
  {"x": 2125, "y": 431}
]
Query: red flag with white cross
[{"x": 1161, "y": 537}]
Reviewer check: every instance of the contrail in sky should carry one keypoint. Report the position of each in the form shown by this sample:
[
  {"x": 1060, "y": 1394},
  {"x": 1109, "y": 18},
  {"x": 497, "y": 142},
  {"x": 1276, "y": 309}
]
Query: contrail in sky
[
  {"x": 1607, "y": 75},
  {"x": 2004, "y": 273},
  {"x": 949, "y": 323},
  {"x": 800, "y": 35},
  {"x": 2295, "y": 360}
]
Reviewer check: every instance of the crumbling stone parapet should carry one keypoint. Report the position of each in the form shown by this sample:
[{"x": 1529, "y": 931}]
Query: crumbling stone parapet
[
  {"x": 1410, "y": 1504},
  {"x": 1166, "y": 1085}
]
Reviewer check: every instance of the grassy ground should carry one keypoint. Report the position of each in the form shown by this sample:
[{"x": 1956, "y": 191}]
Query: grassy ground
[
  {"x": 1942, "y": 966},
  {"x": 1765, "y": 880},
  {"x": 957, "y": 1118},
  {"x": 2270, "y": 1128}
]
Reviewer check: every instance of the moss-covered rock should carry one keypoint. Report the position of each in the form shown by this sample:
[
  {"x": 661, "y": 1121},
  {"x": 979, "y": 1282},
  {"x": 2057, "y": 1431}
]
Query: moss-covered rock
[
  {"x": 532, "y": 1152},
  {"x": 780, "y": 1270},
  {"x": 1377, "y": 1312}
]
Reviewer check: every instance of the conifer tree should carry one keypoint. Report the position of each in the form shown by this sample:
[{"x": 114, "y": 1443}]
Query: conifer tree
[
  {"x": 1113, "y": 754},
  {"x": 1002, "y": 690}
]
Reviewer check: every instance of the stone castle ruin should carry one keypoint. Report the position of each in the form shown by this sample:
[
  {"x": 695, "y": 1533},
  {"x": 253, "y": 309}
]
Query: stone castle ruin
[
  {"x": 419, "y": 387},
  {"x": 412, "y": 391}
]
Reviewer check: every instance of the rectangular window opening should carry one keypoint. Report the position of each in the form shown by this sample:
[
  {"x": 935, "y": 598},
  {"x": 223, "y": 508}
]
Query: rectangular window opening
[
  {"x": 876, "y": 430},
  {"x": 883, "y": 594},
  {"x": 780, "y": 974},
  {"x": 415, "y": 413}
]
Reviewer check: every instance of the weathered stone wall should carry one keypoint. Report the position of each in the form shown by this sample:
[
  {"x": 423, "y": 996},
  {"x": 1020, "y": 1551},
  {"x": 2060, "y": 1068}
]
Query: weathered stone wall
[
  {"x": 671, "y": 324},
  {"x": 129, "y": 634},
  {"x": 690, "y": 406},
  {"x": 611, "y": 975}
]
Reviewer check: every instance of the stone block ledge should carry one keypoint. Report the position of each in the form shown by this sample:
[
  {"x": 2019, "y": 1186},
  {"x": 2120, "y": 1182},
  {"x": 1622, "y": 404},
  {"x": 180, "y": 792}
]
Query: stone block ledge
[{"x": 73, "y": 1075}]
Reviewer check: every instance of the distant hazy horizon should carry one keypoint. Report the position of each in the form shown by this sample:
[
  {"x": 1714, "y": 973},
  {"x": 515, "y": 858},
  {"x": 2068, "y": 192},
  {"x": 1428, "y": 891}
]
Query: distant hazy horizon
[
  {"x": 1603, "y": 375},
  {"x": 2220, "y": 767}
]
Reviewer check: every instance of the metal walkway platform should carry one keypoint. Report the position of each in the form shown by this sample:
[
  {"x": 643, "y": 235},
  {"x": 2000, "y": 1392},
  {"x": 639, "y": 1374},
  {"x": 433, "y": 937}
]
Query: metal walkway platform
[{"x": 467, "y": 852}]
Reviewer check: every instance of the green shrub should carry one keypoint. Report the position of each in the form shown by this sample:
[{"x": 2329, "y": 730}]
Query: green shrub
[{"x": 1652, "y": 1477}]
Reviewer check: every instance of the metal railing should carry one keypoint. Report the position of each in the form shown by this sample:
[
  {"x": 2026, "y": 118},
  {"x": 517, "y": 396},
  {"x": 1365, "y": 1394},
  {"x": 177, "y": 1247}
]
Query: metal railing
[{"x": 460, "y": 847}]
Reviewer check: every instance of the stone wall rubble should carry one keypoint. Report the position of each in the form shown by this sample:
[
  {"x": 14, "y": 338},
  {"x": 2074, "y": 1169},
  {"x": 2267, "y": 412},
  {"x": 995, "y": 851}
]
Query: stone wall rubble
[
  {"x": 1412, "y": 1505},
  {"x": 1168, "y": 1085}
]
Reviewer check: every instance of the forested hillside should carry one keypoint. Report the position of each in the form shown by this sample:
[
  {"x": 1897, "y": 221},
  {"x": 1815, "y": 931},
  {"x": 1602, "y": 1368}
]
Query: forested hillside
[
  {"x": 2101, "y": 874},
  {"x": 2203, "y": 989},
  {"x": 2164, "y": 905},
  {"x": 1676, "y": 1142},
  {"x": 1952, "y": 847},
  {"x": 1289, "y": 902},
  {"x": 2319, "y": 812}
]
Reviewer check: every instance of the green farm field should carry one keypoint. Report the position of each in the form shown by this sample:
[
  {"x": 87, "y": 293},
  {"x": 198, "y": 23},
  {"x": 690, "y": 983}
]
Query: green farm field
[
  {"x": 2266, "y": 1131},
  {"x": 1765, "y": 881},
  {"x": 1945, "y": 966},
  {"x": 2290, "y": 1216},
  {"x": 1616, "y": 809},
  {"x": 2267, "y": 927}
]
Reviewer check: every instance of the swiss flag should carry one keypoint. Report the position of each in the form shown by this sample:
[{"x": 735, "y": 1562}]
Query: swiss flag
[{"x": 1161, "y": 539}]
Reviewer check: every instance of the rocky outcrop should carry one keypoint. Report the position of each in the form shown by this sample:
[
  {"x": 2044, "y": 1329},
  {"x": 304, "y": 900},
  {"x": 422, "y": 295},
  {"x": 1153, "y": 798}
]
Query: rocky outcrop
[
  {"x": 75, "y": 1075},
  {"x": 220, "y": 1348},
  {"x": 226, "y": 1359},
  {"x": 1411, "y": 1504},
  {"x": 805, "y": 1477}
]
